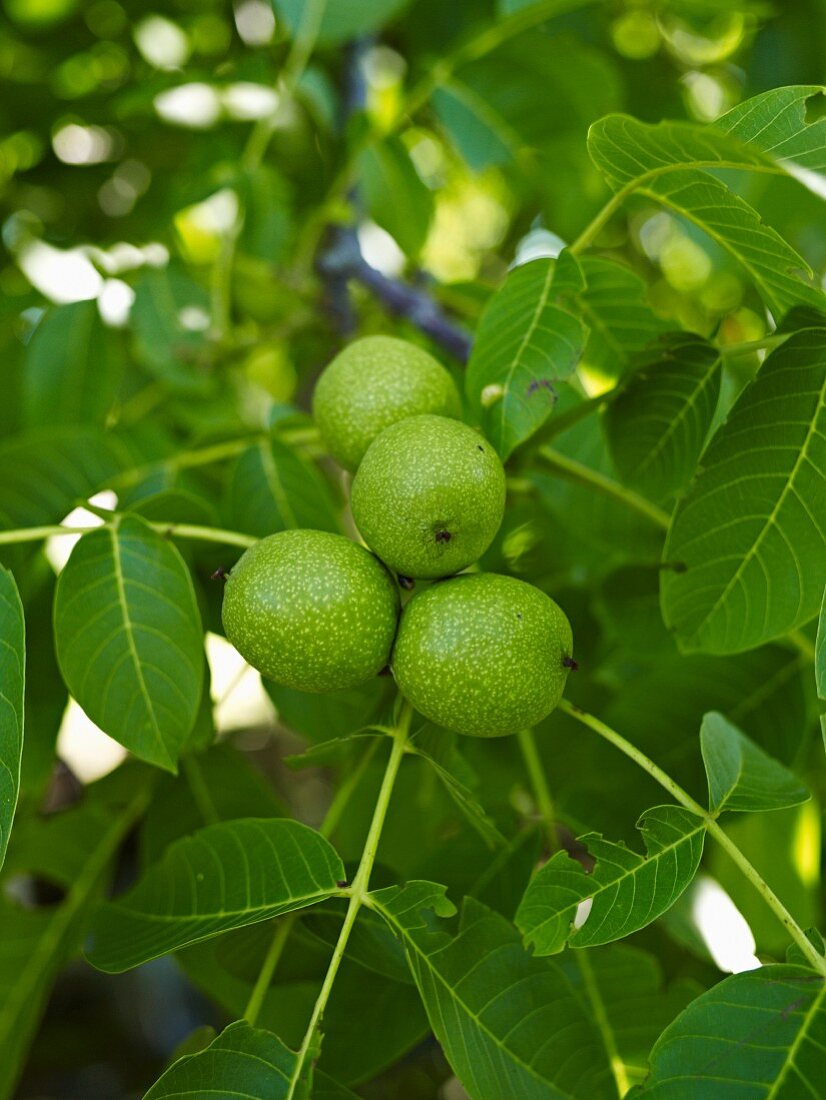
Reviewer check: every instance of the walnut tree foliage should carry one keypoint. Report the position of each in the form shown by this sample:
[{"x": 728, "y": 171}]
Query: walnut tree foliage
[{"x": 606, "y": 219}]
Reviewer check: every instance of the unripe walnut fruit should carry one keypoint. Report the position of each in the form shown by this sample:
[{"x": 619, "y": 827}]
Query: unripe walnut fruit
[
  {"x": 311, "y": 610},
  {"x": 373, "y": 383},
  {"x": 429, "y": 496},
  {"x": 483, "y": 654}
]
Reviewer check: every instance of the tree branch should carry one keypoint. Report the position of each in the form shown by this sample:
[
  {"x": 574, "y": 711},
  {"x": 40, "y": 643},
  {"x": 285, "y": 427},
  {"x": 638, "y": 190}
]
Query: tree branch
[{"x": 342, "y": 260}]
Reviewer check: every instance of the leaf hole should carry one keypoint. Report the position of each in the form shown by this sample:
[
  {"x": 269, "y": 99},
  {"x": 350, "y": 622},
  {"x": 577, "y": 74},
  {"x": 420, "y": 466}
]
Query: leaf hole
[{"x": 815, "y": 108}]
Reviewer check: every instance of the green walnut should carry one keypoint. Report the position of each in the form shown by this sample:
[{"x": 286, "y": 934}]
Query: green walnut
[
  {"x": 483, "y": 654},
  {"x": 311, "y": 610},
  {"x": 372, "y": 384},
  {"x": 429, "y": 496}
]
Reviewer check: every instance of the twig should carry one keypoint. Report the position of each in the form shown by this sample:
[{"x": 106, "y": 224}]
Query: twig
[{"x": 342, "y": 259}]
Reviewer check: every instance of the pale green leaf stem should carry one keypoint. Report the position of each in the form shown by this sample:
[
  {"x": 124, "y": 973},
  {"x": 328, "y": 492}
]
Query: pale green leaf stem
[{"x": 357, "y": 892}]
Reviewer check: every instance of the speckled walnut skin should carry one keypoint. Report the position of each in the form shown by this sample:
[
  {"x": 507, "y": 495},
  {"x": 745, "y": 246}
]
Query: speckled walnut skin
[
  {"x": 483, "y": 654},
  {"x": 429, "y": 496},
  {"x": 373, "y": 383},
  {"x": 311, "y": 610}
]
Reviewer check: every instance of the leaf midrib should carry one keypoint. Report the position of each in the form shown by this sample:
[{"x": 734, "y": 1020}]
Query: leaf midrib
[
  {"x": 687, "y": 406},
  {"x": 15, "y": 731},
  {"x": 789, "y": 1060},
  {"x": 270, "y": 469},
  {"x": 182, "y": 918},
  {"x": 771, "y": 520},
  {"x": 725, "y": 242},
  {"x": 602, "y": 1021},
  {"x": 644, "y": 178},
  {"x": 524, "y": 342},
  {"x": 133, "y": 650},
  {"x": 643, "y": 860},
  {"x": 408, "y": 939}
]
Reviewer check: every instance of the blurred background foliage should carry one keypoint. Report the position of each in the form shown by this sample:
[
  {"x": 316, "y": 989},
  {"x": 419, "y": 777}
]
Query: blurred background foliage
[{"x": 170, "y": 175}]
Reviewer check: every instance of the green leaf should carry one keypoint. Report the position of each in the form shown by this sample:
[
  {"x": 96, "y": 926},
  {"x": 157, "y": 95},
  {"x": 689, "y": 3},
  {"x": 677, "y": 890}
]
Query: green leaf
[
  {"x": 129, "y": 639},
  {"x": 336, "y": 22},
  {"x": 335, "y": 751},
  {"x": 241, "y": 1061},
  {"x": 740, "y": 775},
  {"x": 526, "y": 344},
  {"x": 548, "y": 8},
  {"x": 218, "y": 785},
  {"x": 749, "y": 537},
  {"x": 759, "y": 1034},
  {"x": 666, "y": 163},
  {"x": 364, "y": 1000},
  {"x": 72, "y": 368},
  {"x": 776, "y": 123},
  {"x": 628, "y": 891},
  {"x": 333, "y": 714},
  {"x": 591, "y": 530},
  {"x": 12, "y": 680},
  {"x": 71, "y": 850},
  {"x": 438, "y": 747},
  {"x": 510, "y": 1025},
  {"x": 271, "y": 488},
  {"x": 371, "y": 944},
  {"x": 481, "y": 136},
  {"x": 765, "y": 133},
  {"x": 616, "y": 311},
  {"x": 658, "y": 422},
  {"x": 265, "y": 201},
  {"x": 43, "y": 474},
  {"x": 625, "y": 991},
  {"x": 761, "y": 692},
  {"x": 501, "y": 882},
  {"x": 237, "y": 873},
  {"x": 46, "y": 694},
  {"x": 773, "y": 266},
  {"x": 395, "y": 195},
  {"x": 175, "y": 506},
  {"x": 492, "y": 110},
  {"x": 170, "y": 319}
]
